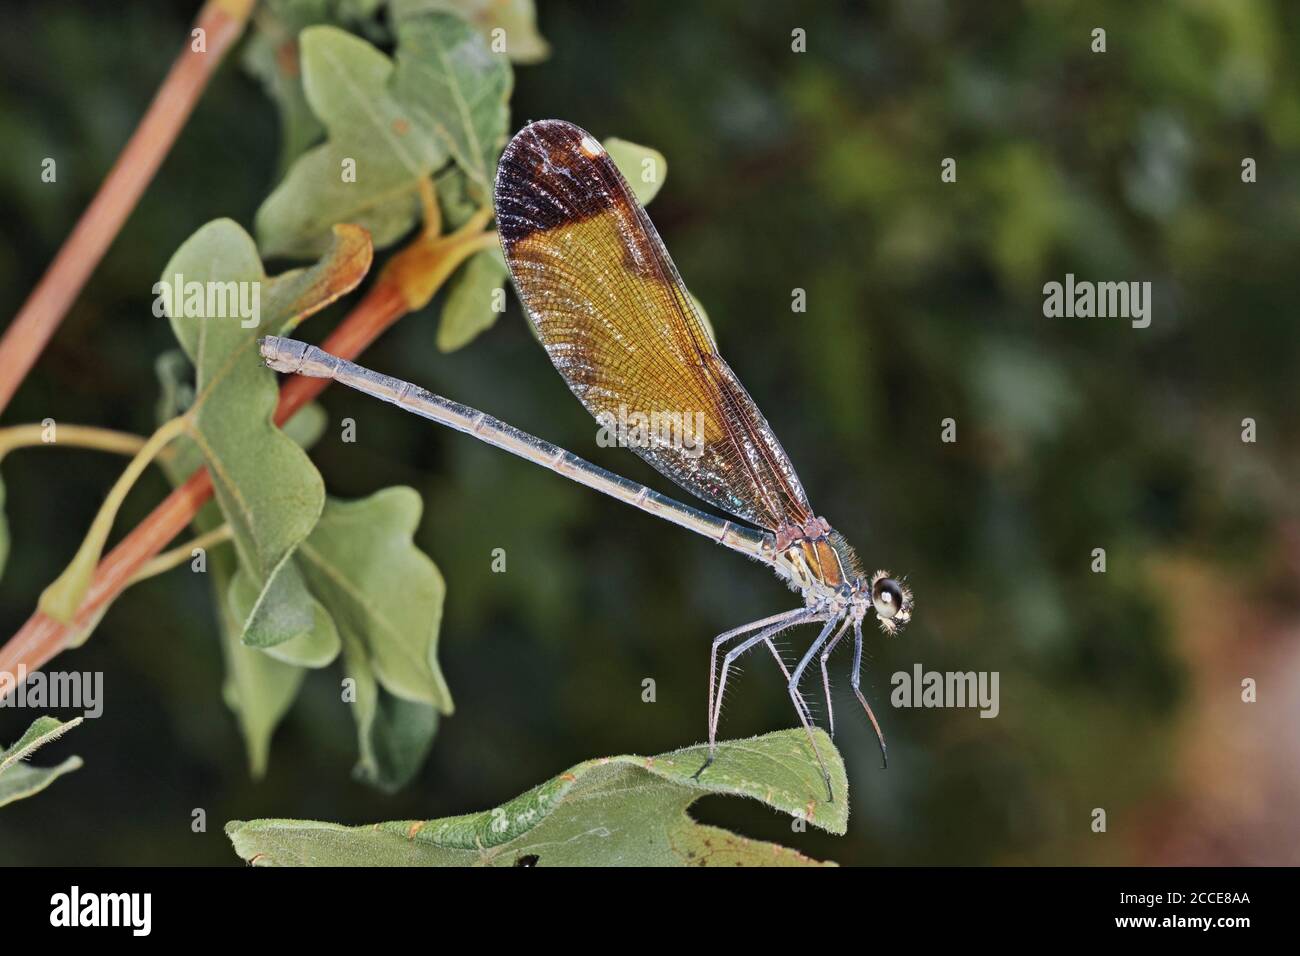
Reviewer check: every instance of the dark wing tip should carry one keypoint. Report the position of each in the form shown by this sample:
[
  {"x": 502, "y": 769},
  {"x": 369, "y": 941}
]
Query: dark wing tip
[{"x": 537, "y": 170}]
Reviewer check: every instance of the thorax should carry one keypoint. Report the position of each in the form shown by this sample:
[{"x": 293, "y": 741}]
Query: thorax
[{"x": 816, "y": 561}]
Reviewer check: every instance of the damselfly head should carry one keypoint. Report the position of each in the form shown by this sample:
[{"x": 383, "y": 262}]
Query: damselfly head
[{"x": 891, "y": 600}]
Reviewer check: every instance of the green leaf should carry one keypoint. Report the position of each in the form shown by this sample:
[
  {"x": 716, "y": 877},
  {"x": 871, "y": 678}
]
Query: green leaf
[
  {"x": 360, "y": 583},
  {"x": 176, "y": 387},
  {"x": 349, "y": 85},
  {"x": 266, "y": 486},
  {"x": 628, "y": 811},
  {"x": 17, "y": 779},
  {"x": 258, "y": 689},
  {"x": 643, "y": 168},
  {"x": 271, "y": 56},
  {"x": 284, "y": 619},
  {"x": 516, "y": 19},
  {"x": 41, "y": 732},
  {"x": 385, "y": 596},
  {"x": 375, "y": 595},
  {"x": 23, "y": 781},
  {"x": 459, "y": 88},
  {"x": 307, "y": 425},
  {"x": 176, "y": 395},
  {"x": 382, "y": 591},
  {"x": 455, "y": 198},
  {"x": 470, "y": 299},
  {"x": 393, "y": 735},
  {"x": 395, "y": 123}
]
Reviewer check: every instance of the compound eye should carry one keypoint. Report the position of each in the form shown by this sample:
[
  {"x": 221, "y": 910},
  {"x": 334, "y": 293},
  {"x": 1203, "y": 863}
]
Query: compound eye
[{"x": 887, "y": 598}]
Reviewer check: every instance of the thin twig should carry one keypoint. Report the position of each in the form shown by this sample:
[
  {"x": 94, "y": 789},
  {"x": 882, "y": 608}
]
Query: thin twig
[
  {"x": 222, "y": 22},
  {"x": 69, "y": 436},
  {"x": 181, "y": 553},
  {"x": 390, "y": 298},
  {"x": 42, "y": 637},
  {"x": 63, "y": 597}
]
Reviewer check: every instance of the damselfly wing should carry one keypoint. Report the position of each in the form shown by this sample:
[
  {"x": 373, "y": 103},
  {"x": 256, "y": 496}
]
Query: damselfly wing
[{"x": 617, "y": 321}]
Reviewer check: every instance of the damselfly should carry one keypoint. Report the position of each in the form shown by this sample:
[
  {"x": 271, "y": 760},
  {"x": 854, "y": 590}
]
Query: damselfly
[{"x": 616, "y": 319}]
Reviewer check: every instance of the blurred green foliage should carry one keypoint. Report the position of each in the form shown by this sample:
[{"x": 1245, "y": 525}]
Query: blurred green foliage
[{"x": 818, "y": 171}]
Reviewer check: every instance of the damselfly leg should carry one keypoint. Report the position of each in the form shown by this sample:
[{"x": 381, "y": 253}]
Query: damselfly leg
[
  {"x": 787, "y": 617},
  {"x": 802, "y": 616},
  {"x": 856, "y": 681},
  {"x": 826, "y": 678},
  {"x": 793, "y": 686},
  {"x": 774, "y": 625}
]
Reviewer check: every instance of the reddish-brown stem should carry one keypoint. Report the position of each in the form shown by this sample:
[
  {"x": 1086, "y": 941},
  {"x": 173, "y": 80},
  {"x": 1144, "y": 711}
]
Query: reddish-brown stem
[
  {"x": 222, "y": 22},
  {"x": 42, "y": 637}
]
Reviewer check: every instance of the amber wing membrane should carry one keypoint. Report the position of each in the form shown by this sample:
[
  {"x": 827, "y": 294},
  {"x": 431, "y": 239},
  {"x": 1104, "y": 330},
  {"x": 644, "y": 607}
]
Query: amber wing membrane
[{"x": 619, "y": 325}]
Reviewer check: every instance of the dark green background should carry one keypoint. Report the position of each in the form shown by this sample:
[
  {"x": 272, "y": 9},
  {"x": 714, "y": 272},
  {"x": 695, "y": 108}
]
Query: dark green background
[{"x": 818, "y": 171}]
